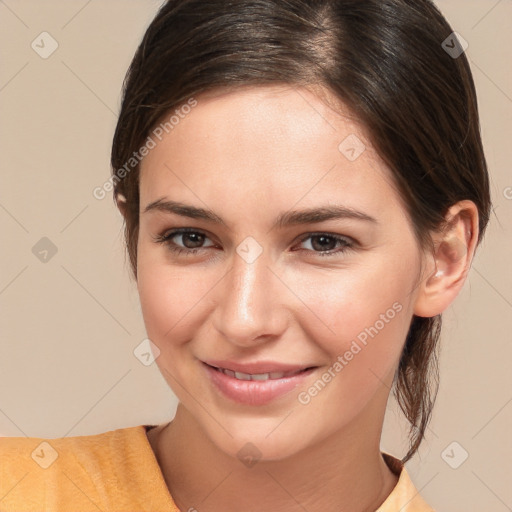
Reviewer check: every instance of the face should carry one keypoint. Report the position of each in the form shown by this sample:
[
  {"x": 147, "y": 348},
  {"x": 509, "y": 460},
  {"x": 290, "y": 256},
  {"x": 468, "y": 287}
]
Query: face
[{"x": 253, "y": 285}]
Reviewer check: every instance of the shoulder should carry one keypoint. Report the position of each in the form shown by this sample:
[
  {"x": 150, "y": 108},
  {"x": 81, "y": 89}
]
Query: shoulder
[
  {"x": 404, "y": 497},
  {"x": 44, "y": 452},
  {"x": 32, "y": 469}
]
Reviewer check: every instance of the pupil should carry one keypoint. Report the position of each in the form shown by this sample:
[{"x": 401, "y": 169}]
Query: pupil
[
  {"x": 194, "y": 235},
  {"x": 322, "y": 246}
]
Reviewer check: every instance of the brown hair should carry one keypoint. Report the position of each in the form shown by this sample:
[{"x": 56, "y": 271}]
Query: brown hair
[{"x": 383, "y": 59}]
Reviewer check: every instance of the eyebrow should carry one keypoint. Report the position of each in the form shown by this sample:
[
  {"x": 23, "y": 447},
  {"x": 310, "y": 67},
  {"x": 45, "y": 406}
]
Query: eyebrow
[{"x": 289, "y": 218}]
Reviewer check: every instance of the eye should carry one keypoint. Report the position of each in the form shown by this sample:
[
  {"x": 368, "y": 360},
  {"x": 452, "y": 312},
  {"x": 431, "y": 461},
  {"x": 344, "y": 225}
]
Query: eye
[
  {"x": 192, "y": 240},
  {"x": 324, "y": 243}
]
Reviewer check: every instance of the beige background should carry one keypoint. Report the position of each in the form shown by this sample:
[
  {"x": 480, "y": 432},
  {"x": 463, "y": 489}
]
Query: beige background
[{"x": 69, "y": 325}]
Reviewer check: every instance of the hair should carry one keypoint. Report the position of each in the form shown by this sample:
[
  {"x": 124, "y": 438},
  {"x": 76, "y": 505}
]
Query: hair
[{"x": 382, "y": 59}]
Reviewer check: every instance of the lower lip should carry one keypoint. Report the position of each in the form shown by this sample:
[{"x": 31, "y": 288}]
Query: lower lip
[{"x": 255, "y": 392}]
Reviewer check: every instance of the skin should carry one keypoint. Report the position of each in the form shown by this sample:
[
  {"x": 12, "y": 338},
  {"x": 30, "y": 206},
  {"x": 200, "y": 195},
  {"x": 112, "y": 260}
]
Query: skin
[{"x": 249, "y": 155}]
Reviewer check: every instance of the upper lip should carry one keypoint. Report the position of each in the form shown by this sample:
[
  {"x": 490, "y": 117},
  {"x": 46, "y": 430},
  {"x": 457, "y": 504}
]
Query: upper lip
[{"x": 257, "y": 367}]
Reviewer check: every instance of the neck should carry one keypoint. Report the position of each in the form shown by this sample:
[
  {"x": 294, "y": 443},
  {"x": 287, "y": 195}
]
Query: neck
[{"x": 344, "y": 472}]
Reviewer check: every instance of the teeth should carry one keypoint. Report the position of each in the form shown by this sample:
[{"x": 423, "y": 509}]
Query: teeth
[
  {"x": 261, "y": 376},
  {"x": 242, "y": 376},
  {"x": 256, "y": 376}
]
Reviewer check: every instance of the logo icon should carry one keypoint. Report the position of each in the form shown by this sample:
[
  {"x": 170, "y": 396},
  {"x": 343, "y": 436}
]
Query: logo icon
[
  {"x": 454, "y": 45},
  {"x": 249, "y": 454},
  {"x": 249, "y": 250},
  {"x": 351, "y": 147},
  {"x": 454, "y": 455},
  {"x": 44, "y": 45},
  {"x": 44, "y": 250},
  {"x": 146, "y": 352},
  {"x": 45, "y": 455}
]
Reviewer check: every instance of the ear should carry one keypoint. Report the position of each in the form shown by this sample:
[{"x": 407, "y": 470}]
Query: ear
[
  {"x": 447, "y": 267},
  {"x": 121, "y": 203}
]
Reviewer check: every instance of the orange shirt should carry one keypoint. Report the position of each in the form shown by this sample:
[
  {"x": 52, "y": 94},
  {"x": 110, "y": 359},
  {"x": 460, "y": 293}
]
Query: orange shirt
[{"x": 113, "y": 471}]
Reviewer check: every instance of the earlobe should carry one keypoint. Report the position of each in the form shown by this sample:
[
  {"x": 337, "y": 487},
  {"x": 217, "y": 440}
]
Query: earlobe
[
  {"x": 121, "y": 203},
  {"x": 450, "y": 262}
]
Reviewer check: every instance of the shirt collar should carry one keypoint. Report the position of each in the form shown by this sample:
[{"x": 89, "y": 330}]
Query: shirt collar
[{"x": 404, "y": 497}]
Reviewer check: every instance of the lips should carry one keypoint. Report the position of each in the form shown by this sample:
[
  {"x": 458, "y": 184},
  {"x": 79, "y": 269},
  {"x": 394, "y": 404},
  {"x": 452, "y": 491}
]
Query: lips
[
  {"x": 255, "y": 387},
  {"x": 257, "y": 376},
  {"x": 258, "y": 368}
]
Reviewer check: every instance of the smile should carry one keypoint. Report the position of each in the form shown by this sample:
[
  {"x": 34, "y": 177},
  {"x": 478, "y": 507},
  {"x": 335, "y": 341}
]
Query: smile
[
  {"x": 255, "y": 388},
  {"x": 257, "y": 376}
]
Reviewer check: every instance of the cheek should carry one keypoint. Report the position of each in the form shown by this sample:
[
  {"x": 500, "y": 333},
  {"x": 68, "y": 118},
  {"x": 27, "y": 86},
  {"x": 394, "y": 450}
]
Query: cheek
[
  {"x": 173, "y": 300},
  {"x": 351, "y": 304},
  {"x": 362, "y": 330},
  {"x": 165, "y": 300}
]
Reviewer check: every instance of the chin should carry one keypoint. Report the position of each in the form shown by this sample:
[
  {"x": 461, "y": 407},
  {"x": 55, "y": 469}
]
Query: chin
[
  {"x": 266, "y": 440},
  {"x": 261, "y": 449}
]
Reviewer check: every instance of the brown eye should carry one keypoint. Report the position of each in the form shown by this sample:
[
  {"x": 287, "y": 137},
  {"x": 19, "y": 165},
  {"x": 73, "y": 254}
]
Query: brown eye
[
  {"x": 324, "y": 244},
  {"x": 191, "y": 240}
]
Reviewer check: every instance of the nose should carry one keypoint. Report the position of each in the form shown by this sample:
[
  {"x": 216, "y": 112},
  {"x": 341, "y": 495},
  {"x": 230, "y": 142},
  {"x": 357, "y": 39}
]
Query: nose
[{"x": 249, "y": 308}]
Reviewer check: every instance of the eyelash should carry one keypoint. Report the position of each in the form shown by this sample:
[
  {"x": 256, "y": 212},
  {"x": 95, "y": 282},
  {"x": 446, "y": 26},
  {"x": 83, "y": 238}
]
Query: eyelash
[{"x": 165, "y": 238}]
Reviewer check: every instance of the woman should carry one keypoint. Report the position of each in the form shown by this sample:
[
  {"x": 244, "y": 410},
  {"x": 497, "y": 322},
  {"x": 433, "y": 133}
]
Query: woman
[{"x": 304, "y": 187}]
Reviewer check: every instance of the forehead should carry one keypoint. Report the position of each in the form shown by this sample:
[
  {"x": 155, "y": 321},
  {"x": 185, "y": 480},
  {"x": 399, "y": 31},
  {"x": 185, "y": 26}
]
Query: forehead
[{"x": 271, "y": 142}]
